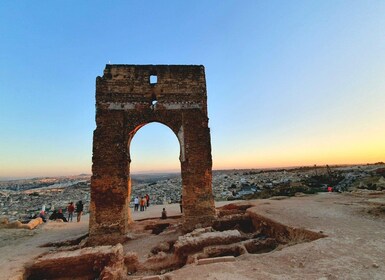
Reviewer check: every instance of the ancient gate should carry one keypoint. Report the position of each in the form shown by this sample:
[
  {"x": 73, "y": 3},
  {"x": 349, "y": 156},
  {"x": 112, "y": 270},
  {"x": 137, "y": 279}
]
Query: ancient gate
[{"x": 127, "y": 98}]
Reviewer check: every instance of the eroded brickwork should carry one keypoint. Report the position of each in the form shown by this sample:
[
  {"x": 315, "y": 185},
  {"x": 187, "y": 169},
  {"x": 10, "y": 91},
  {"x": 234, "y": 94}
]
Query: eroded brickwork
[{"x": 126, "y": 100}]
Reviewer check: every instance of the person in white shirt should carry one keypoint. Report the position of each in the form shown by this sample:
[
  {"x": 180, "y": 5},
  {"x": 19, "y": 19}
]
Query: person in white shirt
[{"x": 136, "y": 203}]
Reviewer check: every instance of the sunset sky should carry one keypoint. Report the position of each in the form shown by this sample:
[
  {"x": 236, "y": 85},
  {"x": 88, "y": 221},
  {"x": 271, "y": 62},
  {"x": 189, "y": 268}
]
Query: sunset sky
[{"x": 289, "y": 82}]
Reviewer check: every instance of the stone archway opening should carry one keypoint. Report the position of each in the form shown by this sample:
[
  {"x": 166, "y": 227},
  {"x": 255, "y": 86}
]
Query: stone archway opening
[
  {"x": 126, "y": 99},
  {"x": 155, "y": 153}
]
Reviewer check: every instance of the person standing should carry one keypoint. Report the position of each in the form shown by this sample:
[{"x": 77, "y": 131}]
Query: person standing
[
  {"x": 136, "y": 203},
  {"x": 148, "y": 199},
  {"x": 143, "y": 203},
  {"x": 71, "y": 210},
  {"x": 79, "y": 210}
]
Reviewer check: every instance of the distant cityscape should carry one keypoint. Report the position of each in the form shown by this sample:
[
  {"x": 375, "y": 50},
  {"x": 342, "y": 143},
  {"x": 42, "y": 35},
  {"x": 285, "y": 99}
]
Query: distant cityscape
[{"x": 22, "y": 198}]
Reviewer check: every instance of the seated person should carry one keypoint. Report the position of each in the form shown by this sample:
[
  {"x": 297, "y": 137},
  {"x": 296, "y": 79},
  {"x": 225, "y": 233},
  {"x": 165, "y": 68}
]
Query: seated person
[
  {"x": 53, "y": 215},
  {"x": 164, "y": 214},
  {"x": 61, "y": 216},
  {"x": 42, "y": 216}
]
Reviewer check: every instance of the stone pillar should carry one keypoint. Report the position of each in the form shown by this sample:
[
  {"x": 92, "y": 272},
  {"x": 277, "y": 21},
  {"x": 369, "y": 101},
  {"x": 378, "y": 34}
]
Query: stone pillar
[
  {"x": 110, "y": 184},
  {"x": 198, "y": 200}
]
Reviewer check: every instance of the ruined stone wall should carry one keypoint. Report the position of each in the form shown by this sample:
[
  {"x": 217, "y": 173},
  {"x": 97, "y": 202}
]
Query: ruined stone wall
[{"x": 126, "y": 100}]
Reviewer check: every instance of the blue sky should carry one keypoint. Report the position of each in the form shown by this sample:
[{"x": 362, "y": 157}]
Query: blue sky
[{"x": 289, "y": 82}]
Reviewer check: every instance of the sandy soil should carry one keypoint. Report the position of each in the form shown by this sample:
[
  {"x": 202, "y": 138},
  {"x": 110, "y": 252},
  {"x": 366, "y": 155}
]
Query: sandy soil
[{"x": 353, "y": 249}]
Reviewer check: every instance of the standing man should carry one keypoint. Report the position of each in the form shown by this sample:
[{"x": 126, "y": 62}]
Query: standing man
[
  {"x": 71, "y": 210},
  {"x": 136, "y": 204},
  {"x": 148, "y": 199},
  {"x": 79, "y": 210},
  {"x": 143, "y": 203}
]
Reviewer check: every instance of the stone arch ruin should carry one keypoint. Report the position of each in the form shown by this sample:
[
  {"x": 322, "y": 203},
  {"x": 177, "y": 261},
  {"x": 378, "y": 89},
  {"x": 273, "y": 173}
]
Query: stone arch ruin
[{"x": 127, "y": 98}]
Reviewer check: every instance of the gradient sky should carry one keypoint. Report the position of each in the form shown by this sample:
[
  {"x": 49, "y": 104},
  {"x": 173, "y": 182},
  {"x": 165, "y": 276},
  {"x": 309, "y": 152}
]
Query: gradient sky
[{"x": 289, "y": 82}]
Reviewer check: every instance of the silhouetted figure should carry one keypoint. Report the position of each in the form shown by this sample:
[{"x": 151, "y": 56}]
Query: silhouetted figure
[
  {"x": 61, "y": 216},
  {"x": 164, "y": 214},
  {"x": 53, "y": 215},
  {"x": 79, "y": 210}
]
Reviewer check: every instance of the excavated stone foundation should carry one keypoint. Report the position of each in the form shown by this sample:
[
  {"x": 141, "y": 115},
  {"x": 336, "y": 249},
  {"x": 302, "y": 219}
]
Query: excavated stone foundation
[{"x": 156, "y": 247}]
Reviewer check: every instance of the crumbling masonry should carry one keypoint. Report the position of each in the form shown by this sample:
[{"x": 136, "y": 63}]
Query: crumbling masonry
[{"x": 127, "y": 98}]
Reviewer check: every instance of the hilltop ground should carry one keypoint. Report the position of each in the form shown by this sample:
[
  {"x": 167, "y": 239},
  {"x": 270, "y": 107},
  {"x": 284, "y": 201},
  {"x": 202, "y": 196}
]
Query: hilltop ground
[{"x": 353, "y": 249}]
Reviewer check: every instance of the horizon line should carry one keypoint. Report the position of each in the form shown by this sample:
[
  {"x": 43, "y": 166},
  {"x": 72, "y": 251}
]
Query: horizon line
[{"x": 11, "y": 178}]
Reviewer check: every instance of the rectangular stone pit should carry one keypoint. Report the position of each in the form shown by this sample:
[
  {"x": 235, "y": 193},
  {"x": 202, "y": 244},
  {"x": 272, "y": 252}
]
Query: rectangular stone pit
[{"x": 87, "y": 263}]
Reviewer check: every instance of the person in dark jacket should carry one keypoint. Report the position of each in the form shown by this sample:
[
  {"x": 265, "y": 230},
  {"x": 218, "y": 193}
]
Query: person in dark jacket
[
  {"x": 79, "y": 210},
  {"x": 53, "y": 215},
  {"x": 164, "y": 214},
  {"x": 61, "y": 216}
]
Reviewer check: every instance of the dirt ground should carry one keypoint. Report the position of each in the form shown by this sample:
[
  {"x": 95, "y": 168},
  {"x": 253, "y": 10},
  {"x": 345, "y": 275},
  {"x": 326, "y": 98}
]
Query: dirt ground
[{"x": 353, "y": 249}]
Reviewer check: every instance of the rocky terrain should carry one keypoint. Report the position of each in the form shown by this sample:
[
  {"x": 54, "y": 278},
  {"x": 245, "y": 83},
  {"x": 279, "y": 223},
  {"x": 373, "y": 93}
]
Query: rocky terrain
[
  {"x": 21, "y": 199},
  {"x": 323, "y": 236}
]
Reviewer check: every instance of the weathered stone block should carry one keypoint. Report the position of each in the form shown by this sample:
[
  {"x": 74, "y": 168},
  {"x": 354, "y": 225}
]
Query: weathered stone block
[
  {"x": 88, "y": 263},
  {"x": 191, "y": 243},
  {"x": 216, "y": 260}
]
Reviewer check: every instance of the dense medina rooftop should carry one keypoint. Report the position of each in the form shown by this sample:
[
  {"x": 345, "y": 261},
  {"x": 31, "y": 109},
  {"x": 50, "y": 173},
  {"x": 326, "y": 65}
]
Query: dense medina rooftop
[{"x": 20, "y": 199}]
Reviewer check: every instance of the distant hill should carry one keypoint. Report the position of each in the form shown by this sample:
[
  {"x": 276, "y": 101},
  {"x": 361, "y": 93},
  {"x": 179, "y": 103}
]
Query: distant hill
[{"x": 142, "y": 178}]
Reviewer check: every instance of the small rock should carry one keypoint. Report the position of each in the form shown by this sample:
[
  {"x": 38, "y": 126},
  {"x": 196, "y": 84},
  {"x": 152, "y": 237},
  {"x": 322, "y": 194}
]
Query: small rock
[
  {"x": 152, "y": 277},
  {"x": 3, "y": 220},
  {"x": 375, "y": 265},
  {"x": 168, "y": 276}
]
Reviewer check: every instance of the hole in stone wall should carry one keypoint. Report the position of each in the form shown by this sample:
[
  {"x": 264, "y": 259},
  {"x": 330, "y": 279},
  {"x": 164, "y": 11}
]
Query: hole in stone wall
[
  {"x": 153, "y": 101},
  {"x": 153, "y": 79}
]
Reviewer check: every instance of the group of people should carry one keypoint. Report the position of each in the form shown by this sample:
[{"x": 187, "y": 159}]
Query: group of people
[
  {"x": 58, "y": 214},
  {"x": 79, "y": 210},
  {"x": 143, "y": 203}
]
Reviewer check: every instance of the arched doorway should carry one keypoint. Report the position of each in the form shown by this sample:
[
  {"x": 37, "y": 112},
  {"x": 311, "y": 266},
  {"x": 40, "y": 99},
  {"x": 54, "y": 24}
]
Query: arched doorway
[
  {"x": 155, "y": 158},
  {"x": 127, "y": 99}
]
